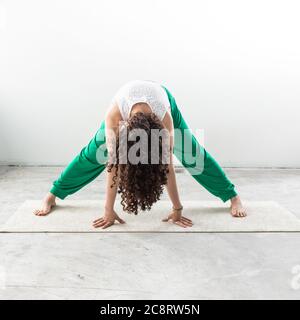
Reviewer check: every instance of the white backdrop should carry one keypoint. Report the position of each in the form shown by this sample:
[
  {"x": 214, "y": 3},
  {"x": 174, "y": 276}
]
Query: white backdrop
[{"x": 233, "y": 66}]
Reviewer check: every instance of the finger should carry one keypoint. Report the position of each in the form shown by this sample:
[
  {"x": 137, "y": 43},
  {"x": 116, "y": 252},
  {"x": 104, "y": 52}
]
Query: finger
[
  {"x": 108, "y": 224},
  {"x": 98, "y": 220},
  {"x": 187, "y": 219},
  {"x": 96, "y": 225},
  {"x": 179, "y": 223},
  {"x": 187, "y": 223},
  {"x": 120, "y": 220},
  {"x": 166, "y": 219},
  {"x": 99, "y": 224}
]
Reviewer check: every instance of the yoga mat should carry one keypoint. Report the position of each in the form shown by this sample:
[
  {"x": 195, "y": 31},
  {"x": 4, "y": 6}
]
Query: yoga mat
[{"x": 208, "y": 216}]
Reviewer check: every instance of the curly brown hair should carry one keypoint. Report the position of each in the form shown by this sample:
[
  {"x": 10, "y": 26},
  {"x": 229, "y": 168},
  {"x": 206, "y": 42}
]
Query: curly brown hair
[{"x": 140, "y": 184}]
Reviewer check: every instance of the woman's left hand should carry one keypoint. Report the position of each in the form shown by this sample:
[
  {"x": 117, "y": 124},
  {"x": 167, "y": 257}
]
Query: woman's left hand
[{"x": 177, "y": 218}]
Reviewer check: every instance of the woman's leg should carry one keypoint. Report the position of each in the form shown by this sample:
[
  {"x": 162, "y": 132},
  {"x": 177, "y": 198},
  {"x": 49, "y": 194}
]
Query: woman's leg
[
  {"x": 83, "y": 169},
  {"x": 204, "y": 168}
]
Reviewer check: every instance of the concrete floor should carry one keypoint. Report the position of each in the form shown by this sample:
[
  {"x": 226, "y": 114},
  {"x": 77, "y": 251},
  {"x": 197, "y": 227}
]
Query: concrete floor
[{"x": 150, "y": 266}]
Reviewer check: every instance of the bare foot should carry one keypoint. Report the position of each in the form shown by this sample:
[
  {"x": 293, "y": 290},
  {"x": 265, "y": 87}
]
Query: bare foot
[
  {"x": 237, "y": 209},
  {"x": 47, "y": 205}
]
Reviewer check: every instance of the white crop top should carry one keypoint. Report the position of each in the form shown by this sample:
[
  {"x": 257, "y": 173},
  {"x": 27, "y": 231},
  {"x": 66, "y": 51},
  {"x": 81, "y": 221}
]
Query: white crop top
[{"x": 145, "y": 91}]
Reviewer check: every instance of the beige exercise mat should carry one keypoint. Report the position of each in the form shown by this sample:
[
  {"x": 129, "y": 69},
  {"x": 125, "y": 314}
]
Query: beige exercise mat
[{"x": 208, "y": 216}]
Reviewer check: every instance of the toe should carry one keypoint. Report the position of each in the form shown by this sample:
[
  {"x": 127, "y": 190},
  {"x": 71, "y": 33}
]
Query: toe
[
  {"x": 234, "y": 212},
  {"x": 41, "y": 213},
  {"x": 242, "y": 213}
]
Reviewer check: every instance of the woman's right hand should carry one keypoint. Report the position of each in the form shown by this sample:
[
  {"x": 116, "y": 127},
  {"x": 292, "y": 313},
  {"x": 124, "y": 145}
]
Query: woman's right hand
[
  {"x": 176, "y": 217},
  {"x": 109, "y": 218}
]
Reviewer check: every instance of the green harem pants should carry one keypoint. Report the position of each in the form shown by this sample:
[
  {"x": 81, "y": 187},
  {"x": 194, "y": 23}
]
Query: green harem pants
[{"x": 85, "y": 167}]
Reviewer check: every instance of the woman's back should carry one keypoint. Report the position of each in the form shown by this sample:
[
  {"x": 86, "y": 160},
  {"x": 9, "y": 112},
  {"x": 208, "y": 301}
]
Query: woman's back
[{"x": 141, "y": 91}]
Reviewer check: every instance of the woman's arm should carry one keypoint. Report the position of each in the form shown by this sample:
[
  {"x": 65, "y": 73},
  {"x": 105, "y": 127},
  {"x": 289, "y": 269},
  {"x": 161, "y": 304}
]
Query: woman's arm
[
  {"x": 171, "y": 184},
  {"x": 111, "y": 189},
  {"x": 176, "y": 214},
  {"x": 110, "y": 215},
  {"x": 111, "y": 125}
]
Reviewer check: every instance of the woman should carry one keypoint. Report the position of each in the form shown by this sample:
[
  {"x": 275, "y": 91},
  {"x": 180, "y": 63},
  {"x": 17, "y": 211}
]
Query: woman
[{"x": 144, "y": 105}]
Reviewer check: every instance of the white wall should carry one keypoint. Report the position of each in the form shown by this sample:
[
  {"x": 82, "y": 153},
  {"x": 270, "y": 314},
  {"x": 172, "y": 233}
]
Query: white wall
[{"x": 234, "y": 67}]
